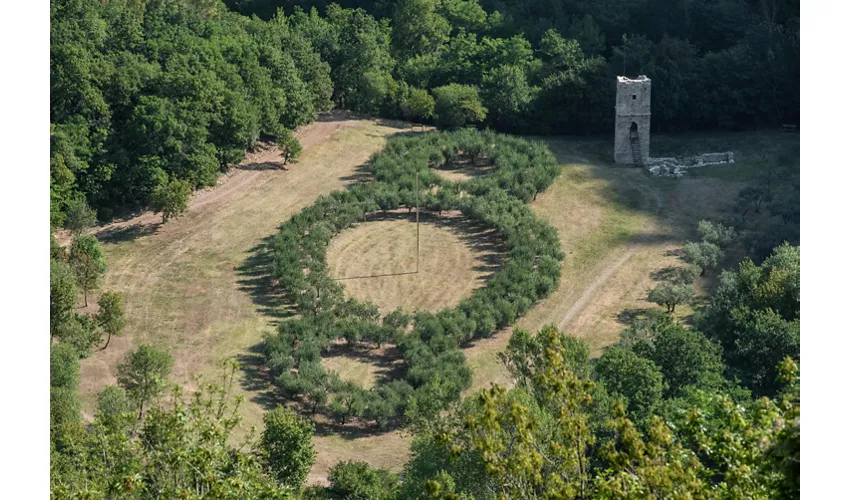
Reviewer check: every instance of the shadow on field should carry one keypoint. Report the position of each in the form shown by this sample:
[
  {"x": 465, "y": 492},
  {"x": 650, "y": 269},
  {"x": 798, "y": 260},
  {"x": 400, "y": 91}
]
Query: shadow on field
[
  {"x": 362, "y": 174},
  {"x": 387, "y": 359},
  {"x": 267, "y": 165},
  {"x": 257, "y": 281},
  {"x": 257, "y": 377},
  {"x": 480, "y": 239},
  {"x": 128, "y": 233}
]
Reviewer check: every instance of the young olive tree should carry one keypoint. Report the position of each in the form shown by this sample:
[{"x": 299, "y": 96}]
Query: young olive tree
[{"x": 671, "y": 294}]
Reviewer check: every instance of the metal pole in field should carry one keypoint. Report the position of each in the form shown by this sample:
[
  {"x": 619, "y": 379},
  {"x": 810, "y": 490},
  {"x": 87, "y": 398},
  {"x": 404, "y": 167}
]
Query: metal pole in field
[{"x": 417, "y": 221}]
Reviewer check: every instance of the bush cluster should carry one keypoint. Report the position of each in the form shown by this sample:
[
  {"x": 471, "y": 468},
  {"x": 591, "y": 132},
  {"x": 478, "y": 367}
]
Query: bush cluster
[{"x": 435, "y": 371}]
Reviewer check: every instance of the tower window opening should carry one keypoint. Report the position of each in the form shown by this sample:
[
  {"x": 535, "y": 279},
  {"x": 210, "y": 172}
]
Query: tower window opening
[{"x": 634, "y": 97}]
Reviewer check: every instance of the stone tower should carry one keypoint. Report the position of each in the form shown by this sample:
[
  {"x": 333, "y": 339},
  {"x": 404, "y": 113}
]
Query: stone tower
[{"x": 631, "y": 129}]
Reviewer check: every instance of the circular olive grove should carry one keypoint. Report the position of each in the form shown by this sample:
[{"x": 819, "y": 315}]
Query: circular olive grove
[{"x": 435, "y": 371}]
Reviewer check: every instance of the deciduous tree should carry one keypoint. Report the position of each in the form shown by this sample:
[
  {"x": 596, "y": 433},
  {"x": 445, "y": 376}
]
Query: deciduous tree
[
  {"x": 143, "y": 373},
  {"x": 171, "y": 198},
  {"x": 457, "y": 105},
  {"x": 63, "y": 294},
  {"x": 287, "y": 445},
  {"x": 79, "y": 216},
  {"x": 290, "y": 147},
  {"x": 110, "y": 317},
  {"x": 88, "y": 262}
]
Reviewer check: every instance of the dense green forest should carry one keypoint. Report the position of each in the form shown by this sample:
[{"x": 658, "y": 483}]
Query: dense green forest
[
  {"x": 548, "y": 66},
  {"x": 144, "y": 92}
]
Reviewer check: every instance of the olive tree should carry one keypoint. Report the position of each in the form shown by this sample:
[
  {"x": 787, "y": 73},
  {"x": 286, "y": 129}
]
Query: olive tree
[
  {"x": 671, "y": 294},
  {"x": 705, "y": 255}
]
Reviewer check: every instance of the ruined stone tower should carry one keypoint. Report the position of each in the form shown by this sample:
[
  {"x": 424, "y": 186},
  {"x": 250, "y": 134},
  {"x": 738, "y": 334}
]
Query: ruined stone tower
[{"x": 631, "y": 129}]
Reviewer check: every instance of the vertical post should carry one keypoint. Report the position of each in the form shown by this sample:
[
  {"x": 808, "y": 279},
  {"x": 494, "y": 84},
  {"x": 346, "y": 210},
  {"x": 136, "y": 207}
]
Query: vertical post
[{"x": 417, "y": 221}]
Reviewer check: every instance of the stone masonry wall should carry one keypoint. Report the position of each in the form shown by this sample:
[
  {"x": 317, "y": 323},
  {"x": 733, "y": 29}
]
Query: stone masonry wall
[{"x": 633, "y": 105}]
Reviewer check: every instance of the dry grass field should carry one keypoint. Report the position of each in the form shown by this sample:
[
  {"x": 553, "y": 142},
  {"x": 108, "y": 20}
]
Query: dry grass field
[
  {"x": 455, "y": 258},
  {"x": 197, "y": 285},
  {"x": 182, "y": 283}
]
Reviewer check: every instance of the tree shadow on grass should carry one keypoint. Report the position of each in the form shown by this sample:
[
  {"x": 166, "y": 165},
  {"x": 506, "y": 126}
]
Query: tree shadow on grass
[
  {"x": 258, "y": 378},
  {"x": 388, "y": 358},
  {"x": 264, "y": 165},
  {"x": 627, "y": 316},
  {"x": 362, "y": 174},
  {"x": 257, "y": 281},
  {"x": 127, "y": 233}
]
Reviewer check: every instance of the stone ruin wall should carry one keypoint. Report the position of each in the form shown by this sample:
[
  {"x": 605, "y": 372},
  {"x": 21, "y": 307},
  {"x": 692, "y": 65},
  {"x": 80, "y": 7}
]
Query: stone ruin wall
[{"x": 676, "y": 167}]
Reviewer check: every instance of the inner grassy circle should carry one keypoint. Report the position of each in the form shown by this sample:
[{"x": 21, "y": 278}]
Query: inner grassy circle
[{"x": 456, "y": 257}]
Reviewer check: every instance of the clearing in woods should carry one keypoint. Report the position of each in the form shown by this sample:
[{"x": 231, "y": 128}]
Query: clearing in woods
[{"x": 198, "y": 286}]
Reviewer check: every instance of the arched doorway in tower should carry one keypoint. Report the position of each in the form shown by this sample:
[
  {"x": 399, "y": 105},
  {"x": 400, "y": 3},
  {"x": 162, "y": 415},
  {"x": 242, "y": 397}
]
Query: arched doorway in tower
[{"x": 633, "y": 131}]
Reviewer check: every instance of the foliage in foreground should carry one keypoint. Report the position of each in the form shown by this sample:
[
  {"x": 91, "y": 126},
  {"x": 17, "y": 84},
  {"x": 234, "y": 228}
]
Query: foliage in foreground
[
  {"x": 181, "y": 449},
  {"x": 542, "y": 439}
]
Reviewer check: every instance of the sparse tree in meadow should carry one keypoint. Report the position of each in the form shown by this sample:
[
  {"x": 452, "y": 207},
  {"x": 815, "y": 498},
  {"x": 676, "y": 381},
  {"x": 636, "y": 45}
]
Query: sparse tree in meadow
[
  {"x": 288, "y": 446},
  {"x": 290, "y": 147},
  {"x": 110, "y": 317},
  {"x": 79, "y": 216},
  {"x": 705, "y": 255},
  {"x": 143, "y": 374},
  {"x": 671, "y": 295},
  {"x": 88, "y": 262},
  {"x": 171, "y": 198}
]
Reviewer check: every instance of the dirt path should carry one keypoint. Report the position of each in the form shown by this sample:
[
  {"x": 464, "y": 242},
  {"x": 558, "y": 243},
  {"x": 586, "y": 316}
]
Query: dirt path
[
  {"x": 580, "y": 304},
  {"x": 604, "y": 276}
]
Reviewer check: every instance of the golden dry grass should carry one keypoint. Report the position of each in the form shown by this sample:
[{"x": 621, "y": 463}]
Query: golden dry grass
[
  {"x": 181, "y": 283},
  {"x": 184, "y": 289},
  {"x": 454, "y": 260}
]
